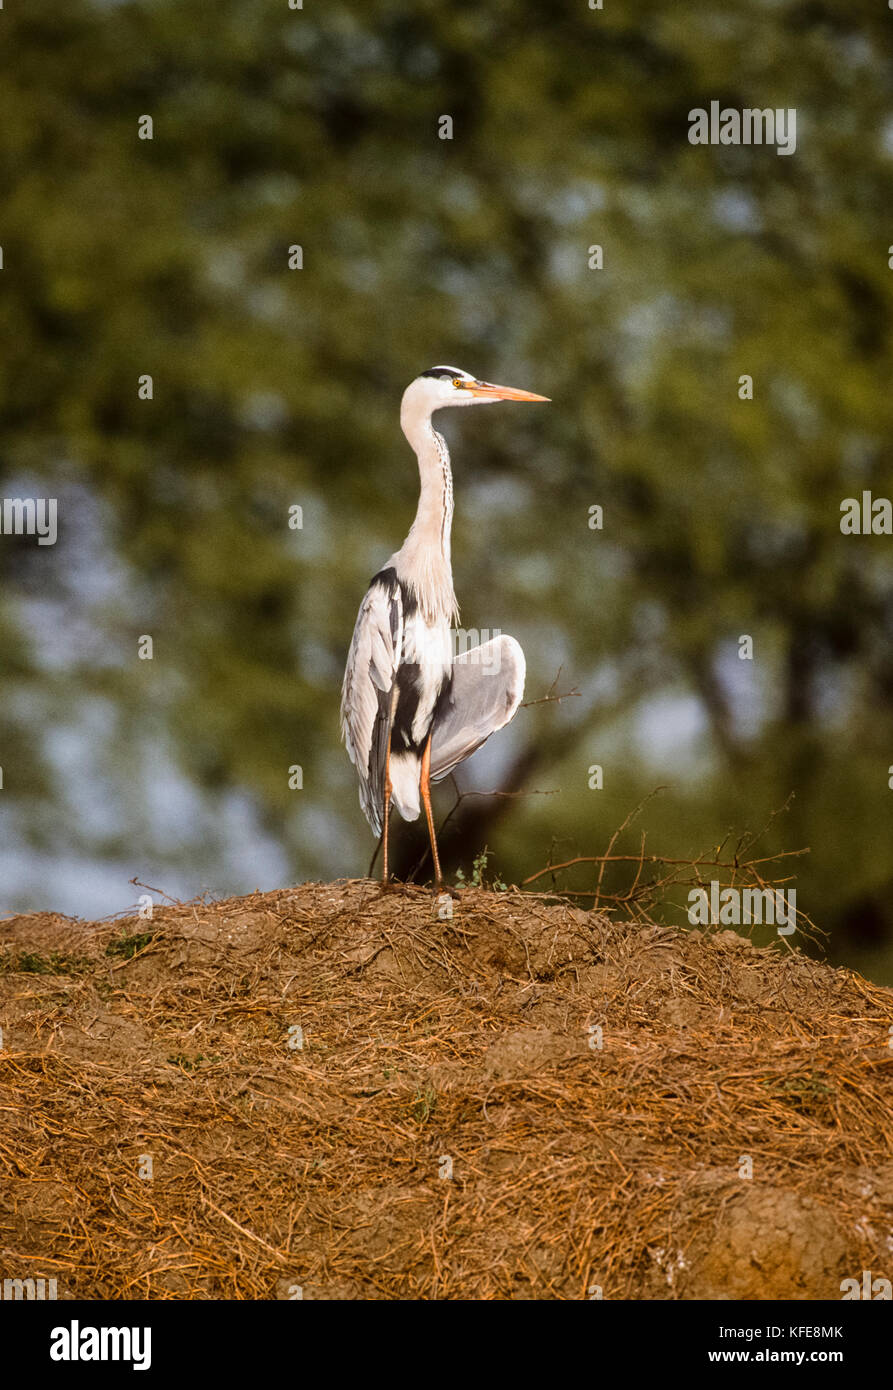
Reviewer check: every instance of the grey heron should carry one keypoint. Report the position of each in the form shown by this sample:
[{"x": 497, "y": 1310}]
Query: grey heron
[{"x": 411, "y": 711}]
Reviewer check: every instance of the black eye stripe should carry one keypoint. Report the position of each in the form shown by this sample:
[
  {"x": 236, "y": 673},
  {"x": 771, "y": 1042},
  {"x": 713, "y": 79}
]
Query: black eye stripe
[{"x": 445, "y": 371}]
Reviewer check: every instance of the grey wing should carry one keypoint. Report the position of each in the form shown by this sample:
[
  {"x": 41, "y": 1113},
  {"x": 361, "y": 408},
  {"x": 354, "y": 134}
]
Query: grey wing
[
  {"x": 366, "y": 694},
  {"x": 487, "y": 688}
]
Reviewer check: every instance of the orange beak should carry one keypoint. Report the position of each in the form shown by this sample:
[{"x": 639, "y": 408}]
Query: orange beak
[{"x": 486, "y": 390}]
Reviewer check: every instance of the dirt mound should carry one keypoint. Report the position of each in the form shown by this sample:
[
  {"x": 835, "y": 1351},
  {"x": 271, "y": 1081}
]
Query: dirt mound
[{"x": 334, "y": 1093}]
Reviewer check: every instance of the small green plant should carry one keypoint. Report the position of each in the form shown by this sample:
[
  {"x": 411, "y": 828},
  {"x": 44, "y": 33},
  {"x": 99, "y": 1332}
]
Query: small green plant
[
  {"x": 477, "y": 879},
  {"x": 32, "y": 963},
  {"x": 184, "y": 1063},
  {"x": 179, "y": 1059},
  {"x": 128, "y": 946},
  {"x": 805, "y": 1094},
  {"x": 423, "y": 1104}
]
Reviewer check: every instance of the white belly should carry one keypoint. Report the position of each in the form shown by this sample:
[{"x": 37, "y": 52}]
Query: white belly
[{"x": 430, "y": 648}]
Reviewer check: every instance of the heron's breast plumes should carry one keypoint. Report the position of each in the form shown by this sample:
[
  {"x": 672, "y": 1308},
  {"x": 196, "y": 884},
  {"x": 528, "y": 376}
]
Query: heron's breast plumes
[{"x": 427, "y": 659}]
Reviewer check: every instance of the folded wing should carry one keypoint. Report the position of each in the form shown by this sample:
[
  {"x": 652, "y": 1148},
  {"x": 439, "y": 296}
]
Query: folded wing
[
  {"x": 487, "y": 688},
  {"x": 366, "y": 695}
]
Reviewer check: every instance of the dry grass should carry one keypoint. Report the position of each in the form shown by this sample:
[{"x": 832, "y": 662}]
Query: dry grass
[{"x": 427, "y": 1040}]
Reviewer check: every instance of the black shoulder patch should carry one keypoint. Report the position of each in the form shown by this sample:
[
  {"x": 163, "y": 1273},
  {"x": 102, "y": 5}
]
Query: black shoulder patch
[
  {"x": 410, "y": 602},
  {"x": 387, "y": 578}
]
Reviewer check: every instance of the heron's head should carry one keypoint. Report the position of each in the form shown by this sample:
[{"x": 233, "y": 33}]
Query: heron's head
[{"x": 443, "y": 386}]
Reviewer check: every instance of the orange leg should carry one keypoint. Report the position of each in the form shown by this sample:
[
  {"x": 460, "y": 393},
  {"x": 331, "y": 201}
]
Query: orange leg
[
  {"x": 425, "y": 788},
  {"x": 386, "y": 877}
]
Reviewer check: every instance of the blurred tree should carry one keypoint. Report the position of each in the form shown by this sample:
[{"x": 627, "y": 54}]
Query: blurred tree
[{"x": 275, "y": 386}]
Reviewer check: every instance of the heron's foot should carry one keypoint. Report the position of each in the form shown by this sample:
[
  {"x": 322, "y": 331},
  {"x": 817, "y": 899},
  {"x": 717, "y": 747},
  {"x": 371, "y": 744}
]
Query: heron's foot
[{"x": 394, "y": 885}]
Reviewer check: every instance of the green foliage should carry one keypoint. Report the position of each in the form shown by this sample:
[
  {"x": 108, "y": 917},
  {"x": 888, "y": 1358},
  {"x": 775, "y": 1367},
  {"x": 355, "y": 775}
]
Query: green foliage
[
  {"x": 127, "y": 946},
  {"x": 185, "y": 1063},
  {"x": 478, "y": 880},
  {"x": 423, "y": 1105},
  {"x": 32, "y": 963}
]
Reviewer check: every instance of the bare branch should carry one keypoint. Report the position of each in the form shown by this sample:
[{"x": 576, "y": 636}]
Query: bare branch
[{"x": 550, "y": 698}]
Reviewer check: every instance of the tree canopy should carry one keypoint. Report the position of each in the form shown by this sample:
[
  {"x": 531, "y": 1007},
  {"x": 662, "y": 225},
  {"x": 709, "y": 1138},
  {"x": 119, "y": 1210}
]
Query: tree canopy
[{"x": 274, "y": 386}]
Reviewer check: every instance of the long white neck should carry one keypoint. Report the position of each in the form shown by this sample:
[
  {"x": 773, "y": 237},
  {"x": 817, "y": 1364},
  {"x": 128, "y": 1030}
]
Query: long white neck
[{"x": 424, "y": 558}]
